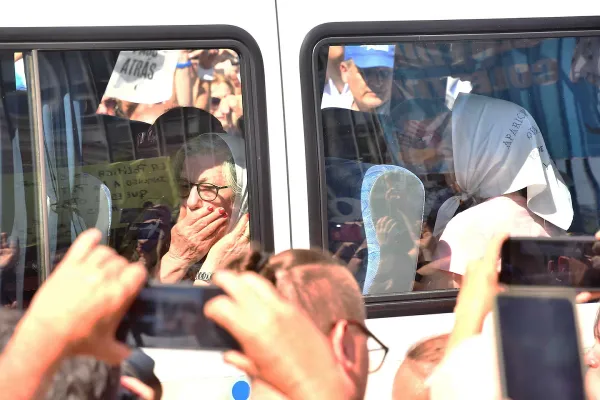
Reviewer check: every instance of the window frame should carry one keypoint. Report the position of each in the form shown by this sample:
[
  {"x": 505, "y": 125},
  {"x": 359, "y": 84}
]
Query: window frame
[
  {"x": 385, "y": 32},
  {"x": 37, "y": 39}
]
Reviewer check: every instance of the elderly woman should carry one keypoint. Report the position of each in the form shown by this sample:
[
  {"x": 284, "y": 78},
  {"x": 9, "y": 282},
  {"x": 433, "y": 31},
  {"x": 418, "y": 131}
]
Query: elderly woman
[
  {"x": 502, "y": 165},
  {"x": 213, "y": 222}
]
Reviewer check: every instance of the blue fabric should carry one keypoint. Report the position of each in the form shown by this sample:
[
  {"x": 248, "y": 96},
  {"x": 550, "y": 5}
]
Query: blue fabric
[
  {"x": 370, "y": 56},
  {"x": 534, "y": 74},
  {"x": 374, "y": 250}
]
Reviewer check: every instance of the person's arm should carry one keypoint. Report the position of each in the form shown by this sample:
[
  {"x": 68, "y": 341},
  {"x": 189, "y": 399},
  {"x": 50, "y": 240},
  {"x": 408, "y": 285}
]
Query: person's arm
[
  {"x": 474, "y": 302},
  {"x": 31, "y": 359},
  {"x": 185, "y": 80},
  {"x": 75, "y": 312},
  {"x": 172, "y": 269},
  {"x": 206, "y": 60}
]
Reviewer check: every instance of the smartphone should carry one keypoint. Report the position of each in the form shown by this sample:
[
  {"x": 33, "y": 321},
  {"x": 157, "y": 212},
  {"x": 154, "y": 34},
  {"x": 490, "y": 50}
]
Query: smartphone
[
  {"x": 565, "y": 261},
  {"x": 172, "y": 317},
  {"x": 538, "y": 345}
]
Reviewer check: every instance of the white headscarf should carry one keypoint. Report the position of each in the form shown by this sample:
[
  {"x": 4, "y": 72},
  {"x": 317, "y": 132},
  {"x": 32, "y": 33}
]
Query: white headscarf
[
  {"x": 499, "y": 149},
  {"x": 238, "y": 151}
]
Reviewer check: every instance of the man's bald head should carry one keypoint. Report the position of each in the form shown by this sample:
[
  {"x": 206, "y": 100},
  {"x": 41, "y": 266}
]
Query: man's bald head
[
  {"x": 312, "y": 279},
  {"x": 316, "y": 283},
  {"x": 327, "y": 293},
  {"x": 419, "y": 363}
]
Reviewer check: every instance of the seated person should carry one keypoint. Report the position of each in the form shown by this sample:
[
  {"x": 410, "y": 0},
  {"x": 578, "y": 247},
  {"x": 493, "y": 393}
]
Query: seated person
[
  {"x": 502, "y": 164},
  {"x": 213, "y": 223}
]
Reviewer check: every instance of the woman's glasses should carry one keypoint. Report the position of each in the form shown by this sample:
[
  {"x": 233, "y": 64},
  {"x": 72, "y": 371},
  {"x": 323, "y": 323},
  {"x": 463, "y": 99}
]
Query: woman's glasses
[{"x": 206, "y": 191}]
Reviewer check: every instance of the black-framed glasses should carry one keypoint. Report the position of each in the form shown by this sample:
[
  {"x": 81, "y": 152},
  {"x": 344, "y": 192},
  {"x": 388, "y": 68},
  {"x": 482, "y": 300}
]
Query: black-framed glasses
[
  {"x": 375, "y": 347},
  {"x": 377, "y": 350},
  {"x": 206, "y": 191}
]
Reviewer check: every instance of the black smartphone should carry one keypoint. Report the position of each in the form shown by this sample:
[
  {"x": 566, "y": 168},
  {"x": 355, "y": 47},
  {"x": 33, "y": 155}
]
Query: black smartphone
[
  {"x": 538, "y": 346},
  {"x": 172, "y": 317},
  {"x": 565, "y": 261}
]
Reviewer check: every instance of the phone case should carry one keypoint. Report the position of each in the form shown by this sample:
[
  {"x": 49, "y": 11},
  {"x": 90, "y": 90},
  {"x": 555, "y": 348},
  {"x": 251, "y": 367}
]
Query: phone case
[
  {"x": 561, "y": 239},
  {"x": 532, "y": 292}
]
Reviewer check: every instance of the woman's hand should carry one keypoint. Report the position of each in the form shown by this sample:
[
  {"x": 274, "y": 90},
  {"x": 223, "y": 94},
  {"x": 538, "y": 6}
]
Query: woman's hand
[
  {"x": 191, "y": 238},
  {"x": 195, "y": 233},
  {"x": 232, "y": 245}
]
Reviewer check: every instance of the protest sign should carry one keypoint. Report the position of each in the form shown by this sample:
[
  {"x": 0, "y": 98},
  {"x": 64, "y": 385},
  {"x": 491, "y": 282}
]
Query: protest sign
[
  {"x": 131, "y": 184},
  {"x": 143, "y": 76}
]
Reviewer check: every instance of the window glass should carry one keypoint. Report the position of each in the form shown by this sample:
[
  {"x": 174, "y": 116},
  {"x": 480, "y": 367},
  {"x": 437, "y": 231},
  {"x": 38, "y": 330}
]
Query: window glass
[
  {"x": 432, "y": 147},
  {"x": 19, "y": 220},
  {"x": 147, "y": 146}
]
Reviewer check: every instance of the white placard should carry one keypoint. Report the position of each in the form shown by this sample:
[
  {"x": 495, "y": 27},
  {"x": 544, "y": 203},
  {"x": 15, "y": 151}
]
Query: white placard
[{"x": 143, "y": 76}]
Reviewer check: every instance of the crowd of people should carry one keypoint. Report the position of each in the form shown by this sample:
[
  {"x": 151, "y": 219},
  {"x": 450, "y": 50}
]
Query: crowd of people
[
  {"x": 465, "y": 166},
  {"x": 208, "y": 79},
  {"x": 299, "y": 315},
  {"x": 299, "y": 318}
]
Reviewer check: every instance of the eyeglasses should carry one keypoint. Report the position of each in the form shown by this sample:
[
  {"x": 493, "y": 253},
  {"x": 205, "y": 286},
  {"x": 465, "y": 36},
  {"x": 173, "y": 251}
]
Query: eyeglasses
[
  {"x": 206, "y": 191},
  {"x": 377, "y": 350}
]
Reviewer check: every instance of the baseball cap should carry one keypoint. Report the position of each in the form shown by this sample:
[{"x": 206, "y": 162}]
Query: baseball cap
[{"x": 371, "y": 55}]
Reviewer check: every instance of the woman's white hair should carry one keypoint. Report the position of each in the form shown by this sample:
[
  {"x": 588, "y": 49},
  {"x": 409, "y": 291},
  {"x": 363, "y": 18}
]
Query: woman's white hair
[{"x": 210, "y": 146}]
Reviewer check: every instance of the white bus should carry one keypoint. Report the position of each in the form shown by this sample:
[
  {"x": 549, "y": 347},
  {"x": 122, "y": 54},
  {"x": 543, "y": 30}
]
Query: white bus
[{"x": 82, "y": 84}]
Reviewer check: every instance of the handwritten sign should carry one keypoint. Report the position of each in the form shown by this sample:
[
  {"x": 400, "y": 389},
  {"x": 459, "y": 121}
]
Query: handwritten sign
[
  {"x": 144, "y": 77},
  {"x": 131, "y": 184}
]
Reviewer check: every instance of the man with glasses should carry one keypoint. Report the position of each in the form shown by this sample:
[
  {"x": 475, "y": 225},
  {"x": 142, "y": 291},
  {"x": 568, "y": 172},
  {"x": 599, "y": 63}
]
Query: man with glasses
[
  {"x": 328, "y": 293},
  {"x": 368, "y": 71}
]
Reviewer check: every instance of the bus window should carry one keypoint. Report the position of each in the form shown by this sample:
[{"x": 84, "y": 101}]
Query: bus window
[
  {"x": 149, "y": 147},
  {"x": 19, "y": 221},
  {"x": 430, "y": 148}
]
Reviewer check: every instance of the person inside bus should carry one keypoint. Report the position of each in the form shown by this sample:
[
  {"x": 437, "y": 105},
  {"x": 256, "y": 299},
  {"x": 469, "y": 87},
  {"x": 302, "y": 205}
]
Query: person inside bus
[
  {"x": 213, "y": 221},
  {"x": 368, "y": 72},
  {"x": 501, "y": 163},
  {"x": 336, "y": 92},
  {"x": 418, "y": 364},
  {"x": 328, "y": 293}
]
